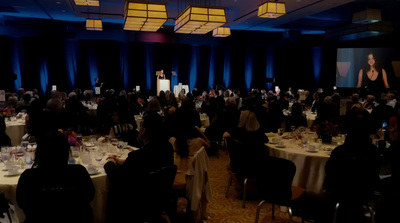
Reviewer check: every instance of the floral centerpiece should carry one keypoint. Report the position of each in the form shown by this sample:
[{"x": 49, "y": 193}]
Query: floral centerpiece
[
  {"x": 70, "y": 136},
  {"x": 326, "y": 130}
]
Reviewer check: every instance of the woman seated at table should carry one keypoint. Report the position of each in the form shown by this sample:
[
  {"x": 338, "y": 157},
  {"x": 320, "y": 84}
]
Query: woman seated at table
[
  {"x": 187, "y": 141},
  {"x": 296, "y": 118},
  {"x": 53, "y": 191},
  {"x": 250, "y": 134}
]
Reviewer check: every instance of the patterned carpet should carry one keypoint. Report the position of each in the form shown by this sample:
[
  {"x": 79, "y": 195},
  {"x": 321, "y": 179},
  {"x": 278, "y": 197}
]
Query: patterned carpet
[{"x": 229, "y": 210}]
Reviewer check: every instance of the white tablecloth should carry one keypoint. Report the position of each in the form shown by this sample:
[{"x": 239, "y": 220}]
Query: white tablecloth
[
  {"x": 15, "y": 130},
  {"x": 99, "y": 204},
  {"x": 310, "y": 172}
]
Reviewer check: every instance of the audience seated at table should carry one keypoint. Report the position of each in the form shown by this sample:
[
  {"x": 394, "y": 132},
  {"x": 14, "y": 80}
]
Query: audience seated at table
[
  {"x": 389, "y": 202},
  {"x": 296, "y": 117},
  {"x": 224, "y": 121},
  {"x": 77, "y": 115},
  {"x": 24, "y": 104},
  {"x": 249, "y": 133},
  {"x": 125, "y": 198},
  {"x": 352, "y": 171},
  {"x": 33, "y": 118},
  {"x": 275, "y": 115},
  {"x": 4, "y": 138},
  {"x": 53, "y": 190},
  {"x": 105, "y": 109}
]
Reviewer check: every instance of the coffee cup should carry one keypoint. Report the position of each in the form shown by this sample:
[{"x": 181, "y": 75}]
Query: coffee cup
[
  {"x": 13, "y": 170},
  {"x": 275, "y": 140},
  {"x": 313, "y": 147},
  {"x": 281, "y": 143}
]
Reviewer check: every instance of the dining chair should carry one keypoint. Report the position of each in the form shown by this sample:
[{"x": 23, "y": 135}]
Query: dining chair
[
  {"x": 157, "y": 192},
  {"x": 238, "y": 166},
  {"x": 275, "y": 186}
]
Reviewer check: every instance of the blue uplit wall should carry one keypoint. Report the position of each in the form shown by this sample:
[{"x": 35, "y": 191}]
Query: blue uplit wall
[
  {"x": 15, "y": 60},
  {"x": 149, "y": 66},
  {"x": 270, "y": 67},
  {"x": 211, "y": 72},
  {"x": 70, "y": 57},
  {"x": 248, "y": 75},
  {"x": 195, "y": 56},
  {"x": 174, "y": 78},
  {"x": 227, "y": 68},
  {"x": 317, "y": 62},
  {"x": 93, "y": 69},
  {"x": 44, "y": 75}
]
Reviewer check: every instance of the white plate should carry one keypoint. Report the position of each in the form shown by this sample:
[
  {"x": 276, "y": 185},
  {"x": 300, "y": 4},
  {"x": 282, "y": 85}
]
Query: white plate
[
  {"x": 7, "y": 174},
  {"x": 94, "y": 172}
]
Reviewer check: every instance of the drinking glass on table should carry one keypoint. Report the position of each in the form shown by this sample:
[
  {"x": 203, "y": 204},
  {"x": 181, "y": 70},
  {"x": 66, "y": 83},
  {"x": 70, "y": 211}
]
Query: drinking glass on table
[
  {"x": 5, "y": 154},
  {"x": 75, "y": 150},
  {"x": 293, "y": 128},
  {"x": 85, "y": 157},
  {"x": 98, "y": 155}
]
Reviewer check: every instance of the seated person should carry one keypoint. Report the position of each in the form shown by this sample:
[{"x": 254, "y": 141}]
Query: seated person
[
  {"x": 124, "y": 198},
  {"x": 52, "y": 189},
  {"x": 123, "y": 130},
  {"x": 352, "y": 171},
  {"x": 248, "y": 132}
]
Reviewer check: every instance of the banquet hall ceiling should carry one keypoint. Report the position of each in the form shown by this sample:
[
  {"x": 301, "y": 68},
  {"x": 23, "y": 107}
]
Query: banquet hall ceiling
[{"x": 305, "y": 16}]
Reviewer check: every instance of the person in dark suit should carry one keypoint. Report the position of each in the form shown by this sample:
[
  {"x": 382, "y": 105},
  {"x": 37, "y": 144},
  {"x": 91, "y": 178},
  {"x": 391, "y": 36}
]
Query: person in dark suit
[
  {"x": 52, "y": 189},
  {"x": 125, "y": 198},
  {"x": 352, "y": 171}
]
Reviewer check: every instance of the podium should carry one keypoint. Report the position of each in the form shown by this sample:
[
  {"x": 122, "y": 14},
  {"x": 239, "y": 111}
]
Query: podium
[{"x": 163, "y": 85}]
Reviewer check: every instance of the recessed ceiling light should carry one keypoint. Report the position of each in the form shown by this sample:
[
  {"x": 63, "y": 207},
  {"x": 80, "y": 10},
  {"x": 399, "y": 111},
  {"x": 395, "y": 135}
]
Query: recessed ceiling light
[
  {"x": 58, "y": 2},
  {"x": 63, "y": 10}
]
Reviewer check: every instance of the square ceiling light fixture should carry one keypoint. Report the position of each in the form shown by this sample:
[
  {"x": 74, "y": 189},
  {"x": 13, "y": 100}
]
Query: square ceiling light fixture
[
  {"x": 199, "y": 19},
  {"x": 94, "y": 24},
  {"x": 140, "y": 16},
  {"x": 87, "y": 2},
  {"x": 222, "y": 32},
  {"x": 367, "y": 16},
  {"x": 271, "y": 9}
]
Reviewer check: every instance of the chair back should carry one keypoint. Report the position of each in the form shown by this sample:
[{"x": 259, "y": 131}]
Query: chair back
[
  {"x": 157, "y": 189},
  {"x": 274, "y": 182},
  {"x": 234, "y": 150},
  {"x": 241, "y": 161}
]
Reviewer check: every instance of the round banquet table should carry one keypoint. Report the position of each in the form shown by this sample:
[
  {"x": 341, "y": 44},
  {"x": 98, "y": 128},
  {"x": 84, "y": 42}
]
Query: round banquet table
[
  {"x": 15, "y": 130},
  {"x": 310, "y": 166},
  {"x": 99, "y": 204}
]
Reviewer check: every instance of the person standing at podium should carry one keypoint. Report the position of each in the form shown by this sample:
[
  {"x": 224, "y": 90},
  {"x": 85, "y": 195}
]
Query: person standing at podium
[{"x": 162, "y": 75}]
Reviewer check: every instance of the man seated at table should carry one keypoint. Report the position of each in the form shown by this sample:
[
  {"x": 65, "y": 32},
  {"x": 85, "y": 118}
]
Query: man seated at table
[
  {"x": 125, "y": 198},
  {"x": 352, "y": 171},
  {"x": 52, "y": 190}
]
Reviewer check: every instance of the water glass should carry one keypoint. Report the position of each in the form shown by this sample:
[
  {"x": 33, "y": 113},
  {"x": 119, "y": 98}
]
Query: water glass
[
  {"x": 75, "y": 150},
  {"x": 29, "y": 158},
  {"x": 5, "y": 154},
  {"x": 85, "y": 157}
]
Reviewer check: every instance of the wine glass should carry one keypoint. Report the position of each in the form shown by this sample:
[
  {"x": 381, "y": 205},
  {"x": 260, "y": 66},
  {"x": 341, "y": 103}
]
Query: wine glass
[
  {"x": 293, "y": 128},
  {"x": 98, "y": 156}
]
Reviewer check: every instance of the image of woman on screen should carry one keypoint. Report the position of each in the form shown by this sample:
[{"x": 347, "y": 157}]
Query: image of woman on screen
[{"x": 372, "y": 76}]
